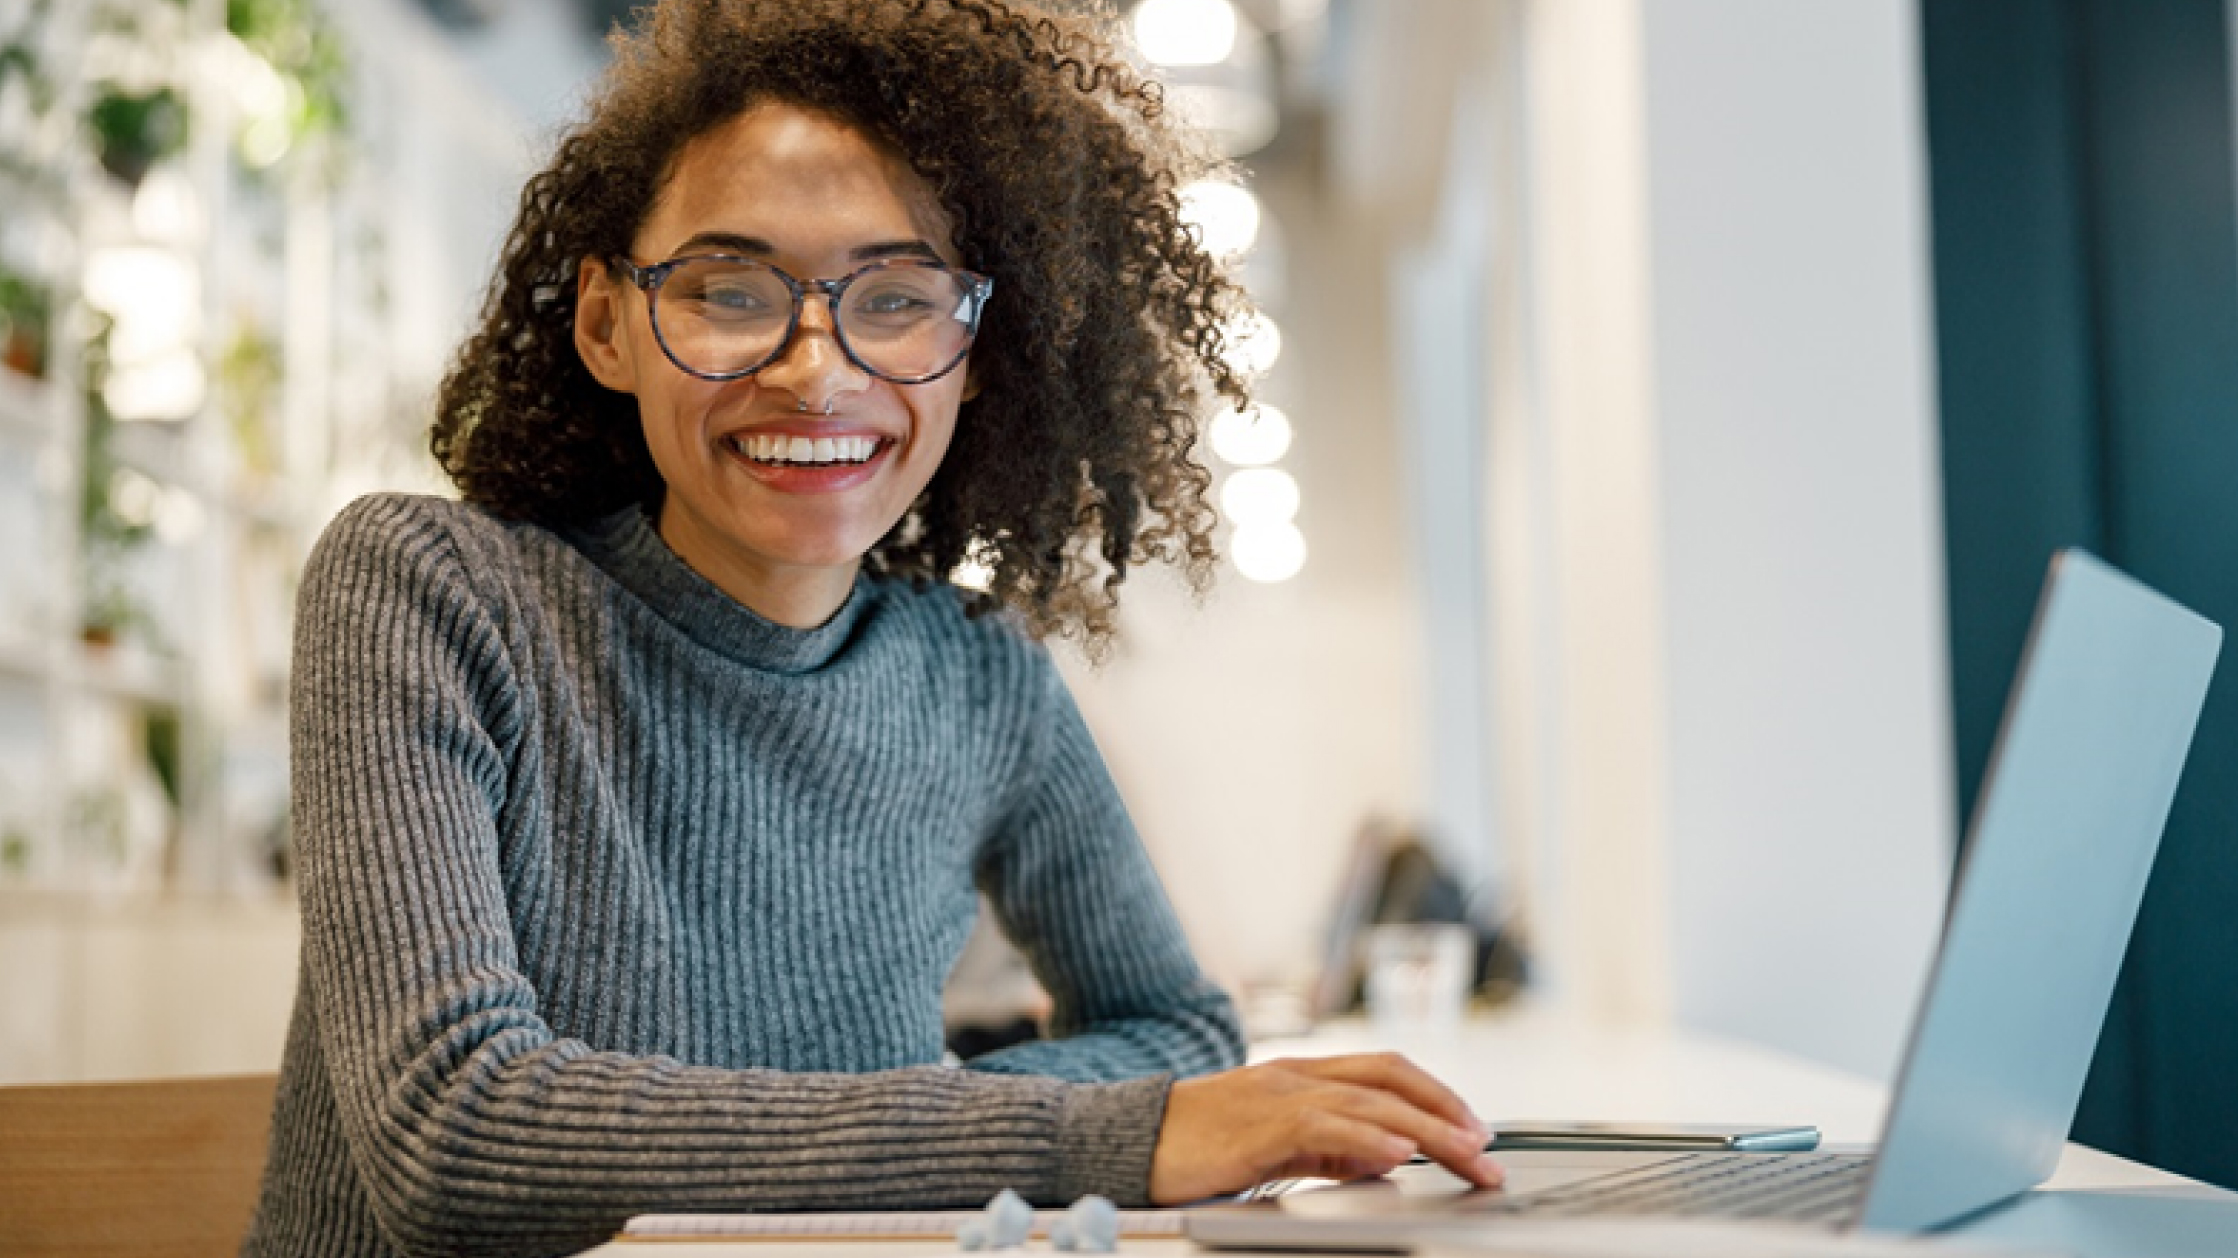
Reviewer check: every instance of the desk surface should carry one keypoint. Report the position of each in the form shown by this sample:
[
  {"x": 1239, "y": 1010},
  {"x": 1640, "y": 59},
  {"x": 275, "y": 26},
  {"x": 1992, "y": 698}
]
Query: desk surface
[
  {"x": 1539, "y": 1064},
  {"x": 1533, "y": 1063}
]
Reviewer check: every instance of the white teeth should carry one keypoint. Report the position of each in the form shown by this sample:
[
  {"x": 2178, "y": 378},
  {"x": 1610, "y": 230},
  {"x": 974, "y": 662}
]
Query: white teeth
[{"x": 764, "y": 448}]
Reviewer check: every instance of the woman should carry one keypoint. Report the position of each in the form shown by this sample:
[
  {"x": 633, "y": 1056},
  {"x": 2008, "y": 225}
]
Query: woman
[{"x": 645, "y": 799}]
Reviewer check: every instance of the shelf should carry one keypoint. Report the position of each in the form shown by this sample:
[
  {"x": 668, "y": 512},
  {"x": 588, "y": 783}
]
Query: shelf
[
  {"x": 21, "y": 661},
  {"x": 26, "y": 407},
  {"x": 129, "y": 674},
  {"x": 25, "y": 902}
]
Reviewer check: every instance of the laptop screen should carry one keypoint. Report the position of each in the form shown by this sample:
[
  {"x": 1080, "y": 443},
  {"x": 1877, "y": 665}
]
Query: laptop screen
[{"x": 2060, "y": 847}]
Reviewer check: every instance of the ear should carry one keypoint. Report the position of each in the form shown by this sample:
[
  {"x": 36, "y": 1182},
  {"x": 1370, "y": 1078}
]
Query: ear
[{"x": 601, "y": 331}]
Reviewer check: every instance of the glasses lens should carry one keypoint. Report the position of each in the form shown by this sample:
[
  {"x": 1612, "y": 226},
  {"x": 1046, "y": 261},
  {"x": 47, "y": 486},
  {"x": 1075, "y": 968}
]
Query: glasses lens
[
  {"x": 908, "y": 320},
  {"x": 723, "y": 315}
]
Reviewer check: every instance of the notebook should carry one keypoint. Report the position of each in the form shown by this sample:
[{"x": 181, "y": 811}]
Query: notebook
[{"x": 869, "y": 1225}]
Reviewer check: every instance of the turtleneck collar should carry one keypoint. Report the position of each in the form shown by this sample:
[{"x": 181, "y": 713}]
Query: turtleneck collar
[{"x": 629, "y": 549}]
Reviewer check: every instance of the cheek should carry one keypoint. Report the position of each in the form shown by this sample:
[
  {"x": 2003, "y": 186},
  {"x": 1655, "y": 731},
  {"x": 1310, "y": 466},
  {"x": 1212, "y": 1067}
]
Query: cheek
[
  {"x": 936, "y": 420},
  {"x": 654, "y": 416},
  {"x": 673, "y": 410}
]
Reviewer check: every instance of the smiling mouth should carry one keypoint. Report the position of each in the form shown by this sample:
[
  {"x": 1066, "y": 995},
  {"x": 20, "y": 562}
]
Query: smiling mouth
[{"x": 786, "y": 451}]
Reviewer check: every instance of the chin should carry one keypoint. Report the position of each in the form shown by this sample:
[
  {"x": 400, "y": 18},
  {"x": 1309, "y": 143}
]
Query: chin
[{"x": 823, "y": 552}]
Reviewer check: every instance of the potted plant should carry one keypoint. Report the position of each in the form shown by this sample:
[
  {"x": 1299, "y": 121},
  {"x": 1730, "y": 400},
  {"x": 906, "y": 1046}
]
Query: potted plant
[
  {"x": 26, "y": 312},
  {"x": 135, "y": 130}
]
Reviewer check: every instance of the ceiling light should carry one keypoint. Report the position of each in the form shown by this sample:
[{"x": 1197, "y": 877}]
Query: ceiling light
[
  {"x": 1253, "y": 343},
  {"x": 1259, "y": 496},
  {"x": 1225, "y": 215},
  {"x": 1185, "y": 32},
  {"x": 1269, "y": 552},
  {"x": 1251, "y": 438}
]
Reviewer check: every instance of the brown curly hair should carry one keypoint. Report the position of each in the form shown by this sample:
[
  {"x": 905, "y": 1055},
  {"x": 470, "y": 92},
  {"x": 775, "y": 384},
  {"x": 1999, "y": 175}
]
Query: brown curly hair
[{"x": 1060, "y": 170}]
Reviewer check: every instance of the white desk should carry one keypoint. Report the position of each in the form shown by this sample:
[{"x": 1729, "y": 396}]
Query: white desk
[
  {"x": 1536, "y": 1064},
  {"x": 1533, "y": 1064}
]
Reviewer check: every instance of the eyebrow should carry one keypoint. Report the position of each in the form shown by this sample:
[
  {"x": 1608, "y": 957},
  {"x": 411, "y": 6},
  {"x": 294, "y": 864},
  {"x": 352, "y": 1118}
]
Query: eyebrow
[{"x": 755, "y": 246}]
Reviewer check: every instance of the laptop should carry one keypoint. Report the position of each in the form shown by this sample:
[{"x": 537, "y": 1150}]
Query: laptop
[{"x": 2062, "y": 840}]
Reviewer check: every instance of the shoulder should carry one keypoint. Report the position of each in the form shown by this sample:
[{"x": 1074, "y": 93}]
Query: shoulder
[
  {"x": 386, "y": 561},
  {"x": 406, "y": 523},
  {"x": 418, "y": 539}
]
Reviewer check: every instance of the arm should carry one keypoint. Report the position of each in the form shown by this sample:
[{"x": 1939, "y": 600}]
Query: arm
[
  {"x": 470, "y": 1124},
  {"x": 1072, "y": 886}
]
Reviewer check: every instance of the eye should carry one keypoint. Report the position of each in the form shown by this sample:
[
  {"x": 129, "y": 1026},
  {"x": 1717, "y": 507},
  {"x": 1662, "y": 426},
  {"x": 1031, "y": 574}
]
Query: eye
[
  {"x": 725, "y": 291},
  {"x": 733, "y": 297},
  {"x": 896, "y": 300}
]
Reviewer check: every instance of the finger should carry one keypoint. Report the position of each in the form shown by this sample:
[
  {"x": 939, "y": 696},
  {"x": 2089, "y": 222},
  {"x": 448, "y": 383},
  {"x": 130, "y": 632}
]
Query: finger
[
  {"x": 1479, "y": 1171},
  {"x": 1353, "y": 1168},
  {"x": 1392, "y": 1072},
  {"x": 1438, "y": 1139},
  {"x": 1330, "y": 1136}
]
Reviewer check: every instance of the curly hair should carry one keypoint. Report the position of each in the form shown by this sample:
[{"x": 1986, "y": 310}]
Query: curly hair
[{"x": 1060, "y": 170}]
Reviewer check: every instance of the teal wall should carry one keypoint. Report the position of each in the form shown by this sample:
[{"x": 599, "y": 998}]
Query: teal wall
[{"x": 2086, "y": 287}]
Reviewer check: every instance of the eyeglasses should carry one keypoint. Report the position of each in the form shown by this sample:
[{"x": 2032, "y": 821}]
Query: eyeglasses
[{"x": 901, "y": 319}]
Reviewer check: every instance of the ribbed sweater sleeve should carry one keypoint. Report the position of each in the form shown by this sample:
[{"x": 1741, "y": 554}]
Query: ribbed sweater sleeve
[
  {"x": 1072, "y": 886},
  {"x": 471, "y": 1126}
]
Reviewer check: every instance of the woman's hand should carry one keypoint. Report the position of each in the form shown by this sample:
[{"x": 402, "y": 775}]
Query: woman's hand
[{"x": 1329, "y": 1117}]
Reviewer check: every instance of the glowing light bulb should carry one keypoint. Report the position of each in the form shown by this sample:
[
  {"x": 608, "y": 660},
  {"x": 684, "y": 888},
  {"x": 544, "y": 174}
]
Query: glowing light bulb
[
  {"x": 1254, "y": 343},
  {"x": 1185, "y": 32},
  {"x": 1225, "y": 215},
  {"x": 1259, "y": 495},
  {"x": 1268, "y": 552},
  {"x": 1251, "y": 438}
]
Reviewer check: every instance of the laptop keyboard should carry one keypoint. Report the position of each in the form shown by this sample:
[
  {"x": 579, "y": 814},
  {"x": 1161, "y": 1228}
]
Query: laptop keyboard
[{"x": 1798, "y": 1187}]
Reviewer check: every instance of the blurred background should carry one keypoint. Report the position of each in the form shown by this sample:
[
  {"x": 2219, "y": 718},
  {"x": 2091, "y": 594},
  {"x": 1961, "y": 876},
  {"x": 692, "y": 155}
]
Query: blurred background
[{"x": 1671, "y": 408}]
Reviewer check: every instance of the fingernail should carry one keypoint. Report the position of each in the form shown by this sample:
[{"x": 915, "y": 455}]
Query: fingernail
[
  {"x": 1400, "y": 1148},
  {"x": 1493, "y": 1174}
]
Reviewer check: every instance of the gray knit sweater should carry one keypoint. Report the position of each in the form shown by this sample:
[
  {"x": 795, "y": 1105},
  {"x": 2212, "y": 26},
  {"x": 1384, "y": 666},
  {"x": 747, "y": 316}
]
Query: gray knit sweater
[{"x": 619, "y": 898}]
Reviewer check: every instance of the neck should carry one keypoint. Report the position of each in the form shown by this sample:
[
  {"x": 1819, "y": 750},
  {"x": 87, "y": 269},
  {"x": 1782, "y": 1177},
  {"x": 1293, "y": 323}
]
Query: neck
[{"x": 798, "y": 596}]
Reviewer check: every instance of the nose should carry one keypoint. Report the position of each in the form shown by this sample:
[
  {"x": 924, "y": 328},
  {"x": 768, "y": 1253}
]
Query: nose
[{"x": 813, "y": 368}]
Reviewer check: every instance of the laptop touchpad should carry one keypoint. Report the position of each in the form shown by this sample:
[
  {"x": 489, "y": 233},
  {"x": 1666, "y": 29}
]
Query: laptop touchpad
[{"x": 1427, "y": 1189}]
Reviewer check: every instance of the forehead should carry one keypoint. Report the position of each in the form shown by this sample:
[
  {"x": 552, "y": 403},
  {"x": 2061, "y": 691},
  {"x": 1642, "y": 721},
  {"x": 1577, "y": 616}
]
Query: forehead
[{"x": 808, "y": 183}]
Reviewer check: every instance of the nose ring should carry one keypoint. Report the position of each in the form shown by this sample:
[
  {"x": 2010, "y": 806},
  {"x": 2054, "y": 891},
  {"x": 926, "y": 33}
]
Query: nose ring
[{"x": 801, "y": 405}]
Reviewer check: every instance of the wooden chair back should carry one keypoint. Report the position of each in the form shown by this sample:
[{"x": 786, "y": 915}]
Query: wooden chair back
[{"x": 162, "y": 1169}]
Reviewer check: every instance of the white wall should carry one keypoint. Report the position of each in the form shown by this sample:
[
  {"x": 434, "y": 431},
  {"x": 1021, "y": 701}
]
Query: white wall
[
  {"x": 1254, "y": 736},
  {"x": 1802, "y": 525},
  {"x": 1727, "y": 448}
]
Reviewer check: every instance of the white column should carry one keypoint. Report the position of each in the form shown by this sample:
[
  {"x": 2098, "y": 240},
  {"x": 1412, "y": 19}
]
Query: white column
[
  {"x": 1729, "y": 511},
  {"x": 1578, "y": 446}
]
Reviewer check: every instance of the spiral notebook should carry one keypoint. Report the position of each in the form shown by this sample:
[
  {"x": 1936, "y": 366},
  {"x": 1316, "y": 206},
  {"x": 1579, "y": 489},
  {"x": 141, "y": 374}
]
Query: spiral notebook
[{"x": 876, "y": 1225}]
